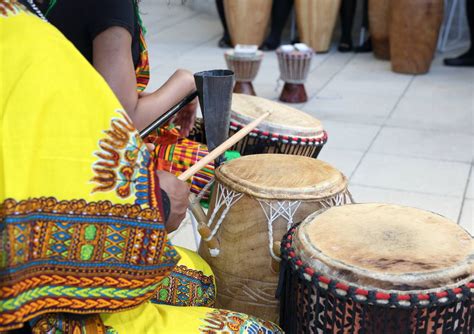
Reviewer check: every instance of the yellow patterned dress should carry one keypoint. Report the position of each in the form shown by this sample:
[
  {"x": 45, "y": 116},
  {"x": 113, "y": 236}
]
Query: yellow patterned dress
[{"x": 83, "y": 247}]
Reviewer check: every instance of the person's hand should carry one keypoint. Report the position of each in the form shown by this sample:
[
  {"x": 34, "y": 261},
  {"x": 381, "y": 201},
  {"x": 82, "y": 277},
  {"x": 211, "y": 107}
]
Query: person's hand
[
  {"x": 186, "y": 118},
  {"x": 178, "y": 192}
]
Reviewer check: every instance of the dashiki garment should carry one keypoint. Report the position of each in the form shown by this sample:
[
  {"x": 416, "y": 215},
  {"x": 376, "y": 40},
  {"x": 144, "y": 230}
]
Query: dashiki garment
[{"x": 83, "y": 248}]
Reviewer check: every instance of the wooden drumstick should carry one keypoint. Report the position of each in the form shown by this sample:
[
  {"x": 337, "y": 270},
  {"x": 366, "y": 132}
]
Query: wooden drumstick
[{"x": 222, "y": 147}]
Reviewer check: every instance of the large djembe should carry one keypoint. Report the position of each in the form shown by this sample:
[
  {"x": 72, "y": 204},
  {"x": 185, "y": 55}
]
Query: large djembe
[
  {"x": 377, "y": 268},
  {"x": 316, "y": 20},
  {"x": 256, "y": 200},
  {"x": 379, "y": 21},
  {"x": 286, "y": 131},
  {"x": 414, "y": 29},
  {"x": 247, "y": 20}
]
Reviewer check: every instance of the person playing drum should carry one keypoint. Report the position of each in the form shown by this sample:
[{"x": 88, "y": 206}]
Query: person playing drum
[{"x": 110, "y": 35}]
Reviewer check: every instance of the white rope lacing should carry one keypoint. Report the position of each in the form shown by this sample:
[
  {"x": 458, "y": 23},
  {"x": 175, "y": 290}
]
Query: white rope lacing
[
  {"x": 274, "y": 210},
  {"x": 225, "y": 197}
]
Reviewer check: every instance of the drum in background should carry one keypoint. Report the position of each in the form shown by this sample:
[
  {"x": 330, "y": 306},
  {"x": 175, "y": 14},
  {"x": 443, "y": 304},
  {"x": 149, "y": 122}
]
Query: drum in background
[
  {"x": 286, "y": 131},
  {"x": 377, "y": 268},
  {"x": 256, "y": 200},
  {"x": 247, "y": 20},
  {"x": 379, "y": 20},
  {"x": 245, "y": 69},
  {"x": 414, "y": 30},
  {"x": 294, "y": 69},
  {"x": 316, "y": 20}
]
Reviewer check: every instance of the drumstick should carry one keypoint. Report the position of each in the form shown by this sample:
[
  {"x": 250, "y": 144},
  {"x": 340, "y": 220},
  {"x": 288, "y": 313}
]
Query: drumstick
[
  {"x": 160, "y": 121},
  {"x": 222, "y": 147}
]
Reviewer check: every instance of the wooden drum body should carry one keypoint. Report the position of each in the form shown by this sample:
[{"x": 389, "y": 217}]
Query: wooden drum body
[
  {"x": 316, "y": 20},
  {"x": 257, "y": 199},
  {"x": 245, "y": 69},
  {"x": 377, "y": 268},
  {"x": 379, "y": 21},
  {"x": 286, "y": 131},
  {"x": 247, "y": 20},
  {"x": 414, "y": 30}
]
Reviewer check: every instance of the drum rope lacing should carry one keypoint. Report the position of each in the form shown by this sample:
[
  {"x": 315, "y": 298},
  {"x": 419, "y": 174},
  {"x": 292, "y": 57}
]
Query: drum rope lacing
[
  {"x": 225, "y": 197},
  {"x": 277, "y": 209},
  {"x": 343, "y": 290}
]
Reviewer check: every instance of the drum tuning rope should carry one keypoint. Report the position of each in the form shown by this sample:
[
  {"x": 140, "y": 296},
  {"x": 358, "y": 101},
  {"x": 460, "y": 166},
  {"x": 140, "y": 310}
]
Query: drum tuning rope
[
  {"x": 277, "y": 209},
  {"x": 227, "y": 198}
]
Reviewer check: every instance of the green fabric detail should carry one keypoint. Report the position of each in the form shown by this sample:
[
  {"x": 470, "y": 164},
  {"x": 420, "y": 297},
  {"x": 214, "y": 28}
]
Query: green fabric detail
[
  {"x": 199, "y": 291},
  {"x": 90, "y": 232},
  {"x": 163, "y": 294},
  {"x": 74, "y": 292},
  {"x": 139, "y": 18},
  {"x": 86, "y": 252}
]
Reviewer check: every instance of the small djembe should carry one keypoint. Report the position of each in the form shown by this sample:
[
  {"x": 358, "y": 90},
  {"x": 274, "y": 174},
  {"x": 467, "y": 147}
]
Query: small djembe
[
  {"x": 294, "y": 63},
  {"x": 245, "y": 66}
]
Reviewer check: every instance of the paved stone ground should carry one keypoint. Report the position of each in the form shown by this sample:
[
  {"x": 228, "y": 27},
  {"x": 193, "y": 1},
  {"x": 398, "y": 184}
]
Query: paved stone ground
[{"x": 399, "y": 138}]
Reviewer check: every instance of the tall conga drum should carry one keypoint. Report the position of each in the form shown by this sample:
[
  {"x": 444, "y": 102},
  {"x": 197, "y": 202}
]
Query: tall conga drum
[
  {"x": 256, "y": 200},
  {"x": 379, "y": 20},
  {"x": 316, "y": 20},
  {"x": 414, "y": 30},
  {"x": 377, "y": 268},
  {"x": 286, "y": 131},
  {"x": 247, "y": 20}
]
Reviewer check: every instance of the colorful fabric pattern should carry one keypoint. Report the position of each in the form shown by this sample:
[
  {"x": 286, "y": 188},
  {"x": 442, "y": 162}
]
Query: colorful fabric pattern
[
  {"x": 124, "y": 163},
  {"x": 186, "y": 287},
  {"x": 176, "y": 154},
  {"x": 191, "y": 283},
  {"x": 223, "y": 321}
]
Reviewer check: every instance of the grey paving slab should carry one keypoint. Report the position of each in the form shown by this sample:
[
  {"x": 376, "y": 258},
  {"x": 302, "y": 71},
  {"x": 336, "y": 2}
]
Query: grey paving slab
[
  {"x": 446, "y": 206},
  {"x": 349, "y": 136},
  {"x": 426, "y": 144},
  {"x": 413, "y": 174},
  {"x": 344, "y": 160}
]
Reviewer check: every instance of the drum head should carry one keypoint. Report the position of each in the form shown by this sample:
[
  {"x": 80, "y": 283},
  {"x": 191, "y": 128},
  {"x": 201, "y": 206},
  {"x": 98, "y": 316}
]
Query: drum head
[
  {"x": 279, "y": 176},
  {"x": 387, "y": 247},
  {"x": 284, "y": 120}
]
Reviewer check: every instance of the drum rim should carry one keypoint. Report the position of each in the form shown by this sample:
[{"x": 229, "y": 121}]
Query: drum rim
[
  {"x": 230, "y": 55},
  {"x": 239, "y": 185},
  {"x": 335, "y": 265},
  {"x": 271, "y": 127}
]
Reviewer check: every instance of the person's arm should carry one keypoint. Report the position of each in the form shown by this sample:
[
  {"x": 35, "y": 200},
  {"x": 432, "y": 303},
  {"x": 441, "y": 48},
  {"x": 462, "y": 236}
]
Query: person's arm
[{"x": 112, "y": 58}]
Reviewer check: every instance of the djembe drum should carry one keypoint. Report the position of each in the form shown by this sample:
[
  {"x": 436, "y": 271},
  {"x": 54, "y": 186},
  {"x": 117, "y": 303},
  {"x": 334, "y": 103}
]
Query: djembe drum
[
  {"x": 247, "y": 20},
  {"x": 257, "y": 199},
  {"x": 286, "y": 131},
  {"x": 377, "y": 268},
  {"x": 316, "y": 20},
  {"x": 379, "y": 19},
  {"x": 414, "y": 30},
  {"x": 245, "y": 69},
  {"x": 294, "y": 69}
]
